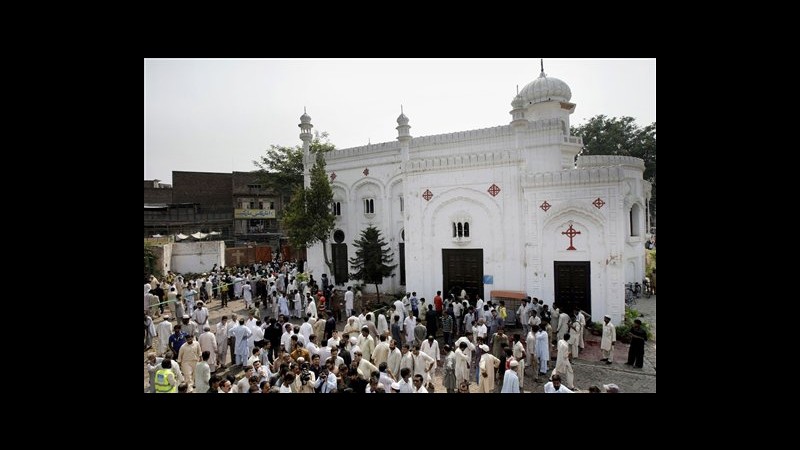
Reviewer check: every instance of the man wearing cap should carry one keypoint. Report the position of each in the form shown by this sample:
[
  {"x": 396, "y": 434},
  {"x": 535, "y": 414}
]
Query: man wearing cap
[
  {"x": 188, "y": 357},
  {"x": 611, "y": 388},
  {"x": 487, "y": 366},
  {"x": 511, "y": 380},
  {"x": 608, "y": 340}
]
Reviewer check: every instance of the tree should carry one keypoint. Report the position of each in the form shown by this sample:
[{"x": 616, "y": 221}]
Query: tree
[
  {"x": 149, "y": 262},
  {"x": 621, "y": 136},
  {"x": 281, "y": 169},
  {"x": 308, "y": 218},
  {"x": 371, "y": 260}
]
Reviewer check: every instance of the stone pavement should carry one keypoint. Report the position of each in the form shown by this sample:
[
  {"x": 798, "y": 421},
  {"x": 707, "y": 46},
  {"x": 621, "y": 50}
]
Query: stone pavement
[{"x": 588, "y": 368}]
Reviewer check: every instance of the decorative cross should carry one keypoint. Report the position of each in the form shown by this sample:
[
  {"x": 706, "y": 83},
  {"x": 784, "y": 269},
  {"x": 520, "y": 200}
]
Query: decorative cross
[
  {"x": 333, "y": 176},
  {"x": 238, "y": 254},
  {"x": 494, "y": 189},
  {"x": 545, "y": 206},
  {"x": 598, "y": 203},
  {"x": 427, "y": 195},
  {"x": 366, "y": 172},
  {"x": 571, "y": 233}
]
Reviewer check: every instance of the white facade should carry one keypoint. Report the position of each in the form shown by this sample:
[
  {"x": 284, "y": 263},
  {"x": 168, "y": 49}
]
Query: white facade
[{"x": 421, "y": 187}]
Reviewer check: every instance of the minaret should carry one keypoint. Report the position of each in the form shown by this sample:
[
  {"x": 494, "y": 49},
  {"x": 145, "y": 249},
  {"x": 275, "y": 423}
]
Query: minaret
[
  {"x": 403, "y": 135},
  {"x": 305, "y": 136},
  {"x": 305, "y": 132},
  {"x": 402, "y": 127},
  {"x": 518, "y": 111}
]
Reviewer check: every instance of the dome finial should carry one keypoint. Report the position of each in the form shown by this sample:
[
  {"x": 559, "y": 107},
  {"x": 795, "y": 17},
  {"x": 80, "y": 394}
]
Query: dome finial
[
  {"x": 517, "y": 89},
  {"x": 401, "y": 108},
  {"x": 304, "y": 110},
  {"x": 542, "y": 62}
]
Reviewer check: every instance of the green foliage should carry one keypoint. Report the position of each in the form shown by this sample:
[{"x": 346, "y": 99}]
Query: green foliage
[
  {"x": 371, "y": 262},
  {"x": 624, "y": 329},
  {"x": 651, "y": 262},
  {"x": 621, "y": 136},
  {"x": 150, "y": 263},
  {"x": 281, "y": 169}
]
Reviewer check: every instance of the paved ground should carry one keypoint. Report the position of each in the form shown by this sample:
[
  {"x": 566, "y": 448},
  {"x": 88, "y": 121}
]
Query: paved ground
[{"x": 588, "y": 368}]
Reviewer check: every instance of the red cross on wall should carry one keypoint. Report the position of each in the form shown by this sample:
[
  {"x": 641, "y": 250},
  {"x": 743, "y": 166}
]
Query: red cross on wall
[
  {"x": 545, "y": 206},
  {"x": 494, "y": 189},
  {"x": 427, "y": 195},
  {"x": 333, "y": 176},
  {"x": 571, "y": 233},
  {"x": 598, "y": 203},
  {"x": 366, "y": 172}
]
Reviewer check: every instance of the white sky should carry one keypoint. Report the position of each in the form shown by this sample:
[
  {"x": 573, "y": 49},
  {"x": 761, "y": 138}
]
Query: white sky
[{"x": 218, "y": 115}]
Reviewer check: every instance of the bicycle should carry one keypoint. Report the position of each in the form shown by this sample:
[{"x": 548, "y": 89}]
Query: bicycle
[{"x": 630, "y": 294}]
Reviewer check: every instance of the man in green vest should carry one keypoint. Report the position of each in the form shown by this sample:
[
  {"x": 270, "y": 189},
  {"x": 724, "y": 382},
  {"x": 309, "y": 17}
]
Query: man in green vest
[{"x": 165, "y": 379}]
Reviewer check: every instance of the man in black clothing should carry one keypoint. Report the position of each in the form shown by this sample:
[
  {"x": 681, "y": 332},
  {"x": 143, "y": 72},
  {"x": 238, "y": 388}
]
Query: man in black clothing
[{"x": 636, "y": 350}]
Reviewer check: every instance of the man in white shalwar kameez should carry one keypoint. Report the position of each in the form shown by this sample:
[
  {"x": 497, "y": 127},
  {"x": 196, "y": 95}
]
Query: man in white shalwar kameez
[
  {"x": 222, "y": 340},
  {"x": 202, "y": 374},
  {"x": 409, "y": 325},
  {"x": 530, "y": 351},
  {"x": 208, "y": 343},
  {"x": 463, "y": 358},
  {"x": 575, "y": 333},
  {"x": 487, "y": 366},
  {"x": 311, "y": 308},
  {"x": 188, "y": 357},
  {"x": 247, "y": 292},
  {"x": 395, "y": 356},
  {"x": 511, "y": 380},
  {"x": 608, "y": 340},
  {"x": 306, "y": 329},
  {"x": 367, "y": 344},
  {"x": 423, "y": 365},
  {"x": 381, "y": 352},
  {"x": 241, "y": 333},
  {"x": 542, "y": 350},
  {"x": 563, "y": 366},
  {"x": 348, "y": 301},
  {"x": 383, "y": 326},
  {"x": 581, "y": 320},
  {"x": 200, "y": 315},
  {"x": 430, "y": 347},
  {"x": 163, "y": 330},
  {"x": 399, "y": 310}
]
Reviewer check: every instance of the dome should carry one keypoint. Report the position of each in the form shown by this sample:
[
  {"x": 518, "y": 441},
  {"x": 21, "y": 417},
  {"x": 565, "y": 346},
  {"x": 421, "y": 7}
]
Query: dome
[
  {"x": 402, "y": 119},
  {"x": 544, "y": 89},
  {"x": 518, "y": 102},
  {"x": 305, "y": 118}
]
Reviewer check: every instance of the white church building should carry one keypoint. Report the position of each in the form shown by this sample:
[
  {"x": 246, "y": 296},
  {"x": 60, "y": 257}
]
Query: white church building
[{"x": 500, "y": 208}]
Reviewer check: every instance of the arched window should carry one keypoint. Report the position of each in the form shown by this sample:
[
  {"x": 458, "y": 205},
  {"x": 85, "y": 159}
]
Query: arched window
[
  {"x": 460, "y": 230},
  {"x": 466, "y": 229},
  {"x": 369, "y": 206},
  {"x": 636, "y": 220},
  {"x": 336, "y": 208}
]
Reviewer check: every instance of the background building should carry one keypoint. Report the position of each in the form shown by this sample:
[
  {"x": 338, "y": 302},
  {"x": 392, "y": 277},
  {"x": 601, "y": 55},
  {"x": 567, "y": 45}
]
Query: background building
[{"x": 234, "y": 204}]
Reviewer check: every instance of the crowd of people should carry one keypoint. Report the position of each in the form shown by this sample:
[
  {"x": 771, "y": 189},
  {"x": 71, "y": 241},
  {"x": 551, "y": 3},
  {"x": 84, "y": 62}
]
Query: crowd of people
[{"x": 394, "y": 349}]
